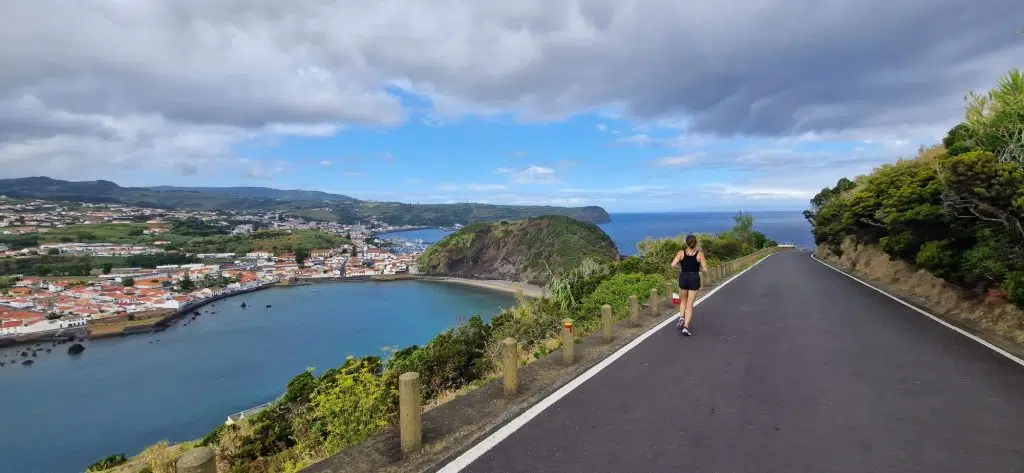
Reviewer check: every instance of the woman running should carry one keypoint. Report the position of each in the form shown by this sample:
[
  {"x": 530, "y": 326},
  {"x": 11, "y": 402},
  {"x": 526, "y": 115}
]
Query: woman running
[{"x": 691, "y": 263}]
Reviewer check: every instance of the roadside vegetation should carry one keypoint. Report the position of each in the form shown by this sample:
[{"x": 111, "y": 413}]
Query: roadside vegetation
[
  {"x": 955, "y": 210},
  {"x": 318, "y": 416}
]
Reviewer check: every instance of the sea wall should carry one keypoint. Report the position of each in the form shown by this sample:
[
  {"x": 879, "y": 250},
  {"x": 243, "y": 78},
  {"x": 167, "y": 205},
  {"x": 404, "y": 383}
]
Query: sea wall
[{"x": 993, "y": 319}]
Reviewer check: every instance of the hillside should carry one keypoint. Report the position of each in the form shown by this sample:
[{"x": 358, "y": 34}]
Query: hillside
[
  {"x": 523, "y": 250},
  {"x": 956, "y": 210},
  {"x": 311, "y": 204}
]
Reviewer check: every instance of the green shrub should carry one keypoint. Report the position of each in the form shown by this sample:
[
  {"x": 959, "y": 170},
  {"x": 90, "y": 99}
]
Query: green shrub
[
  {"x": 935, "y": 256},
  {"x": 615, "y": 292},
  {"x": 452, "y": 359},
  {"x": 529, "y": 322},
  {"x": 1014, "y": 286},
  {"x": 108, "y": 463},
  {"x": 349, "y": 407}
]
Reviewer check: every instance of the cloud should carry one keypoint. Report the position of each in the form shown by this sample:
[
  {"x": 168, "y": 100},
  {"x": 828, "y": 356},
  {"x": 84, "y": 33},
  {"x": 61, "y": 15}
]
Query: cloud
[
  {"x": 354, "y": 173},
  {"x": 532, "y": 174},
  {"x": 762, "y": 193},
  {"x": 326, "y": 162},
  {"x": 602, "y": 127},
  {"x": 472, "y": 187},
  {"x": 639, "y": 140},
  {"x": 172, "y": 85},
  {"x": 517, "y": 154},
  {"x": 681, "y": 160}
]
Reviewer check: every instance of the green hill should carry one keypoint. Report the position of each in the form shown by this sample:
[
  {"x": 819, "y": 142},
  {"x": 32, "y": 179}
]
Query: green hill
[
  {"x": 310, "y": 204},
  {"x": 523, "y": 250}
]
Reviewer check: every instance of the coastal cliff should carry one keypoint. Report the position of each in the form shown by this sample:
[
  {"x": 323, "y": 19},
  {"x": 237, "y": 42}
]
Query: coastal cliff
[{"x": 523, "y": 250}]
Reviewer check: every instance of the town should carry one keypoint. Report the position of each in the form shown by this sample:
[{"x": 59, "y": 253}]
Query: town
[{"x": 34, "y": 306}]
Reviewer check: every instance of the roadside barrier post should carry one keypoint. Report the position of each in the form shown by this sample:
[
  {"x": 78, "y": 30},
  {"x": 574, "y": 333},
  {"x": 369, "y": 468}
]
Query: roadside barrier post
[
  {"x": 568, "y": 344},
  {"x": 606, "y": 323},
  {"x": 634, "y": 310},
  {"x": 197, "y": 460},
  {"x": 668, "y": 295},
  {"x": 510, "y": 358},
  {"x": 410, "y": 412},
  {"x": 654, "y": 302}
]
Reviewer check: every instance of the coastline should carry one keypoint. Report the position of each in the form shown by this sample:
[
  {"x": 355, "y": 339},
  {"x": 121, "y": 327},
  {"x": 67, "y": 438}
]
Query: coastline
[
  {"x": 529, "y": 290},
  {"x": 162, "y": 323}
]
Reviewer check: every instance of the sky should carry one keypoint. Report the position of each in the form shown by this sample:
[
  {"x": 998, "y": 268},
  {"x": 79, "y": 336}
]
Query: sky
[{"x": 643, "y": 105}]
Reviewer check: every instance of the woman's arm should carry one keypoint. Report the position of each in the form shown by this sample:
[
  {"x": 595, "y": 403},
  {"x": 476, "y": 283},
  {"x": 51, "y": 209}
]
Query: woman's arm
[
  {"x": 703, "y": 264},
  {"x": 675, "y": 261}
]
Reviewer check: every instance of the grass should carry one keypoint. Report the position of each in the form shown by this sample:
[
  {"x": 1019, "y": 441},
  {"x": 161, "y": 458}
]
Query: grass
[{"x": 98, "y": 233}]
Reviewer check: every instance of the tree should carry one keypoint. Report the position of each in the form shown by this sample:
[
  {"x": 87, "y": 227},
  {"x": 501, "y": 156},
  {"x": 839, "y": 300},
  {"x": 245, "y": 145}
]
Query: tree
[
  {"x": 186, "y": 284},
  {"x": 107, "y": 267},
  {"x": 128, "y": 281},
  {"x": 301, "y": 255}
]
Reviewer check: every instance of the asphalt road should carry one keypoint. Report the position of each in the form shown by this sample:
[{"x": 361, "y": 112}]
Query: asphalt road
[{"x": 793, "y": 368}]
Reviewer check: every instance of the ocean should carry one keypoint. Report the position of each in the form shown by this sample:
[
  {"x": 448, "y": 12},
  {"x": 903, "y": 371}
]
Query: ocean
[{"x": 628, "y": 229}]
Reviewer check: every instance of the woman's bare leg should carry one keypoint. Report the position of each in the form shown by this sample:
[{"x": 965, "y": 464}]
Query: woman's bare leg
[{"x": 688, "y": 314}]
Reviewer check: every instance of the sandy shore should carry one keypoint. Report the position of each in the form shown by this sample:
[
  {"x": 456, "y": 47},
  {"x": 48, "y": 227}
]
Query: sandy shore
[{"x": 529, "y": 290}]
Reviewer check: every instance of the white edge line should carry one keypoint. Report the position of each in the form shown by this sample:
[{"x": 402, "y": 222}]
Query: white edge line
[
  {"x": 469, "y": 456},
  {"x": 943, "y": 322}
]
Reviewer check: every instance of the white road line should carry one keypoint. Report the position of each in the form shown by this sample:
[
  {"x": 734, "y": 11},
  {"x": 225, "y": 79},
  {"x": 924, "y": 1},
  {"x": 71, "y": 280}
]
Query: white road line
[
  {"x": 943, "y": 322},
  {"x": 469, "y": 456}
]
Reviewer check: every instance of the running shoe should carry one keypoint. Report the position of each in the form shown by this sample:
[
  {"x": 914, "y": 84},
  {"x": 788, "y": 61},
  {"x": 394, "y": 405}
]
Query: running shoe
[{"x": 685, "y": 331}]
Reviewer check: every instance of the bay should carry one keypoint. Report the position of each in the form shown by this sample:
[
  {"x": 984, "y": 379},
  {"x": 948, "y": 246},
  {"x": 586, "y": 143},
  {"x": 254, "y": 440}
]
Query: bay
[{"x": 124, "y": 394}]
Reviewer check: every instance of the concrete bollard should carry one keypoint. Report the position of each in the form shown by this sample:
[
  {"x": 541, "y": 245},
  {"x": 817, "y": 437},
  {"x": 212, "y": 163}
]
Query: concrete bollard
[
  {"x": 510, "y": 365},
  {"x": 606, "y": 323},
  {"x": 568, "y": 344},
  {"x": 668, "y": 294},
  {"x": 654, "y": 302},
  {"x": 197, "y": 460},
  {"x": 634, "y": 310},
  {"x": 410, "y": 424}
]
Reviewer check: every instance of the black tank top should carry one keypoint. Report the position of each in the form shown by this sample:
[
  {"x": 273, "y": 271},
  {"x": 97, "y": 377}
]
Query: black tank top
[{"x": 689, "y": 263}]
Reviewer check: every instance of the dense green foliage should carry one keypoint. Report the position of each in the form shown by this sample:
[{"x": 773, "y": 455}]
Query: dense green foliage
[
  {"x": 159, "y": 259},
  {"x": 318, "y": 205},
  {"x": 532, "y": 250},
  {"x": 274, "y": 241},
  {"x": 108, "y": 463},
  {"x": 19, "y": 242},
  {"x": 198, "y": 228},
  {"x": 47, "y": 265},
  {"x": 956, "y": 210}
]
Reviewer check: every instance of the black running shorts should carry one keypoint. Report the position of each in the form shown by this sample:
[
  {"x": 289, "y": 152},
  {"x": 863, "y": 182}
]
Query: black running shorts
[{"x": 689, "y": 281}]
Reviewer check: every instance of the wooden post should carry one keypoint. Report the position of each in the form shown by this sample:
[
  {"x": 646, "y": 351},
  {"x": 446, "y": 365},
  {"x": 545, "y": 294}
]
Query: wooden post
[
  {"x": 410, "y": 412},
  {"x": 668, "y": 295},
  {"x": 634, "y": 309},
  {"x": 568, "y": 344},
  {"x": 197, "y": 460},
  {"x": 606, "y": 323},
  {"x": 510, "y": 357},
  {"x": 654, "y": 302}
]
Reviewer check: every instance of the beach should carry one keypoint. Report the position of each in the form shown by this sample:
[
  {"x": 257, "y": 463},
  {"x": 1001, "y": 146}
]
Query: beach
[{"x": 529, "y": 290}]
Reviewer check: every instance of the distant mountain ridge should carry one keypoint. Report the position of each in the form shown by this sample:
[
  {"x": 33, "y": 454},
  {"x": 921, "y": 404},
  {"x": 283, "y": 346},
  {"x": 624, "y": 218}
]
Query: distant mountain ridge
[{"x": 310, "y": 204}]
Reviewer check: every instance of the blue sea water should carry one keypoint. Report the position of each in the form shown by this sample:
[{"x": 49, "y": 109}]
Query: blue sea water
[
  {"x": 65, "y": 412},
  {"x": 628, "y": 229}
]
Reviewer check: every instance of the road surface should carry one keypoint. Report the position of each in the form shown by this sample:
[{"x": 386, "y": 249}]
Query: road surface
[{"x": 794, "y": 367}]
